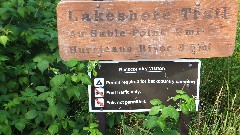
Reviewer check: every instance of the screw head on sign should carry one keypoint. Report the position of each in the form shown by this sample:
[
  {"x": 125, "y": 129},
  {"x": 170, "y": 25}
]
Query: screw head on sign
[
  {"x": 198, "y": 3},
  {"x": 99, "y": 55},
  {"x": 98, "y": 5},
  {"x": 190, "y": 65}
]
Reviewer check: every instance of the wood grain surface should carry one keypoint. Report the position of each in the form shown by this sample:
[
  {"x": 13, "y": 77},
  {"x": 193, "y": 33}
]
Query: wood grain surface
[{"x": 122, "y": 30}]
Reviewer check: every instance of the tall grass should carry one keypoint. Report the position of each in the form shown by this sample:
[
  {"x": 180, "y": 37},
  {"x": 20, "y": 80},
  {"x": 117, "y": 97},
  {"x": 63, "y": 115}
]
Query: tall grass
[
  {"x": 217, "y": 119},
  {"x": 219, "y": 112}
]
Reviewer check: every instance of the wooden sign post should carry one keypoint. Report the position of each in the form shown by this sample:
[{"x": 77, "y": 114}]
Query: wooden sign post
[{"x": 120, "y": 30}]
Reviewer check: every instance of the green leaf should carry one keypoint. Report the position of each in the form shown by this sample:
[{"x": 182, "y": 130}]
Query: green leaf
[
  {"x": 20, "y": 125},
  {"x": 155, "y": 102},
  {"x": 38, "y": 131},
  {"x": 64, "y": 124},
  {"x": 71, "y": 91},
  {"x": 6, "y": 129},
  {"x": 43, "y": 57},
  {"x": 46, "y": 4},
  {"x": 43, "y": 65},
  {"x": 4, "y": 40},
  {"x": 21, "y": 2},
  {"x": 191, "y": 104},
  {"x": 154, "y": 110},
  {"x": 93, "y": 125},
  {"x": 161, "y": 122},
  {"x": 51, "y": 101},
  {"x": 140, "y": 116},
  {"x": 12, "y": 31},
  {"x": 30, "y": 38},
  {"x": 43, "y": 96},
  {"x": 151, "y": 122},
  {"x": 186, "y": 97},
  {"x": 57, "y": 80},
  {"x": 74, "y": 90},
  {"x": 86, "y": 128},
  {"x": 3, "y": 58},
  {"x": 23, "y": 81},
  {"x": 28, "y": 92},
  {"x": 77, "y": 93},
  {"x": 165, "y": 112},
  {"x": 39, "y": 118},
  {"x": 80, "y": 67},
  {"x": 61, "y": 110},
  {"x": 171, "y": 112},
  {"x": 54, "y": 70},
  {"x": 3, "y": 89},
  {"x": 180, "y": 92},
  {"x": 71, "y": 123},
  {"x": 85, "y": 79},
  {"x": 94, "y": 73},
  {"x": 176, "y": 97},
  {"x": 71, "y": 63},
  {"x": 12, "y": 85},
  {"x": 75, "y": 132},
  {"x": 183, "y": 96},
  {"x": 2, "y": 117},
  {"x": 22, "y": 11},
  {"x": 31, "y": 114},
  {"x": 74, "y": 78},
  {"x": 52, "y": 110},
  {"x": 12, "y": 103},
  {"x": 3, "y": 10},
  {"x": 110, "y": 121},
  {"x": 184, "y": 109},
  {"x": 53, "y": 129},
  {"x": 41, "y": 88},
  {"x": 31, "y": 9}
]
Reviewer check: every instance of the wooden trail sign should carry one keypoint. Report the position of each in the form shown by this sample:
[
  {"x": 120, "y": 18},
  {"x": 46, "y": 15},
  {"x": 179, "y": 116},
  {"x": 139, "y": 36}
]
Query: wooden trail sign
[{"x": 120, "y": 30}]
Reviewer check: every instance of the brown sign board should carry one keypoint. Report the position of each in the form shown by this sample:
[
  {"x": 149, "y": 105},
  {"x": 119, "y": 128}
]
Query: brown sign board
[{"x": 121, "y": 30}]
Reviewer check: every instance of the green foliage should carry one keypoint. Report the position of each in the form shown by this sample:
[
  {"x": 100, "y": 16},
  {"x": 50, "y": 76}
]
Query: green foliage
[
  {"x": 39, "y": 93},
  {"x": 166, "y": 118},
  {"x": 4, "y": 40},
  {"x": 53, "y": 129},
  {"x": 214, "y": 120},
  {"x": 31, "y": 114},
  {"x": 92, "y": 128},
  {"x": 186, "y": 103},
  {"x": 160, "y": 120},
  {"x": 154, "y": 110}
]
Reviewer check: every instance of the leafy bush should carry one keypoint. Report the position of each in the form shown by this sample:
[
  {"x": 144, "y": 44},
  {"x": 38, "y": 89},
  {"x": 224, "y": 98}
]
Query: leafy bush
[
  {"x": 167, "y": 121},
  {"x": 39, "y": 93}
]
